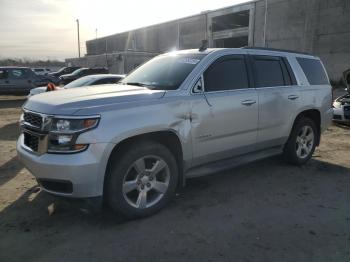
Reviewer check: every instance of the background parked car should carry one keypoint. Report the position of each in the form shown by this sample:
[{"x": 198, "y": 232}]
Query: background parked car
[
  {"x": 65, "y": 79},
  {"x": 341, "y": 105},
  {"x": 20, "y": 80},
  {"x": 64, "y": 71},
  {"x": 84, "y": 81},
  {"x": 41, "y": 71}
]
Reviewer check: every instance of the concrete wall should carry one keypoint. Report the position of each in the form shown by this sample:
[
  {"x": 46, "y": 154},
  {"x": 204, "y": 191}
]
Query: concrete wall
[
  {"x": 320, "y": 27},
  {"x": 117, "y": 63},
  {"x": 192, "y": 32},
  {"x": 180, "y": 34}
]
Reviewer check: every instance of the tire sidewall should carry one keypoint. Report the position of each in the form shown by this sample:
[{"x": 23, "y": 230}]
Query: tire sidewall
[
  {"x": 119, "y": 169},
  {"x": 290, "y": 153}
]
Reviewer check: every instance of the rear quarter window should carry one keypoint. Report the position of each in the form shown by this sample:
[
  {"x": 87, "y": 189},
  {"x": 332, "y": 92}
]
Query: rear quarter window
[
  {"x": 314, "y": 71},
  {"x": 17, "y": 73},
  {"x": 3, "y": 74}
]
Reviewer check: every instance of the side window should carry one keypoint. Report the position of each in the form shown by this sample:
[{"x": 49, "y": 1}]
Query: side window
[
  {"x": 3, "y": 74},
  {"x": 226, "y": 74},
  {"x": 313, "y": 71},
  {"x": 105, "y": 81},
  {"x": 17, "y": 73},
  {"x": 269, "y": 72},
  {"x": 288, "y": 72}
]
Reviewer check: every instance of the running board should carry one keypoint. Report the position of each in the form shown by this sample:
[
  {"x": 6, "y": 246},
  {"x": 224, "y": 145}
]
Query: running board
[{"x": 229, "y": 163}]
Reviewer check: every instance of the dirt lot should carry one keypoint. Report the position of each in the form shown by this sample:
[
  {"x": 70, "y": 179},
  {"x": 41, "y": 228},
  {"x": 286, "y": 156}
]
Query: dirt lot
[{"x": 265, "y": 211}]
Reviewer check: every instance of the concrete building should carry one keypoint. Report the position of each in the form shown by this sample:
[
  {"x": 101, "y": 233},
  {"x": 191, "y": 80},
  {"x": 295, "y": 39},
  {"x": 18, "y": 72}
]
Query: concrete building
[{"x": 321, "y": 27}]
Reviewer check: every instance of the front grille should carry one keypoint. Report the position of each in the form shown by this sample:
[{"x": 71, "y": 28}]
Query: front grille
[
  {"x": 31, "y": 141},
  {"x": 33, "y": 119},
  {"x": 337, "y": 117}
]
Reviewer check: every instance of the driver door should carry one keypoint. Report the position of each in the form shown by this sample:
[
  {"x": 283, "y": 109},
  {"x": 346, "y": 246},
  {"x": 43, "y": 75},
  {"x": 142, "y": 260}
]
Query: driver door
[{"x": 225, "y": 115}]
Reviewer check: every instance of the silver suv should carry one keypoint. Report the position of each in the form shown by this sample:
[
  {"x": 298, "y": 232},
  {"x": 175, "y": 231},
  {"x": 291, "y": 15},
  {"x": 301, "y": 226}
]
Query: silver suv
[{"x": 182, "y": 114}]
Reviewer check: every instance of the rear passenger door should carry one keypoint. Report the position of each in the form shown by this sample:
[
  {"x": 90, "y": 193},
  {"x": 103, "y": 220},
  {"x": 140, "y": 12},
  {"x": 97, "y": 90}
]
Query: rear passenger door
[
  {"x": 279, "y": 99},
  {"x": 20, "y": 79},
  {"x": 225, "y": 119}
]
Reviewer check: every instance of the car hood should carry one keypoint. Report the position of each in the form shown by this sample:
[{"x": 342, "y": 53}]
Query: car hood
[
  {"x": 69, "y": 101},
  {"x": 67, "y": 76},
  {"x": 37, "y": 90}
]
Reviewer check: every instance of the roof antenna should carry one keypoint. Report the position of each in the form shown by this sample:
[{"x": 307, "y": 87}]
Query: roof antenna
[{"x": 204, "y": 45}]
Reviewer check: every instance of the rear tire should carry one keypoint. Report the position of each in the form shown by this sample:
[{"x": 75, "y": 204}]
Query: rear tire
[
  {"x": 143, "y": 180},
  {"x": 302, "y": 142}
]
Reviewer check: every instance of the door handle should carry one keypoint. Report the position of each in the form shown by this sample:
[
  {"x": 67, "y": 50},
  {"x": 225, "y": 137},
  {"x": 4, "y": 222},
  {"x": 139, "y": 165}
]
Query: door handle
[
  {"x": 7, "y": 82},
  {"x": 293, "y": 97},
  {"x": 248, "y": 102}
]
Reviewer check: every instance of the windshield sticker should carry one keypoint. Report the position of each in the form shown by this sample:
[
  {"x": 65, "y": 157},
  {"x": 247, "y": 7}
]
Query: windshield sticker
[{"x": 187, "y": 60}]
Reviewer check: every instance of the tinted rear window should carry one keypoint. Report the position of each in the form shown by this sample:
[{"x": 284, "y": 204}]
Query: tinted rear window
[
  {"x": 268, "y": 72},
  {"x": 313, "y": 71}
]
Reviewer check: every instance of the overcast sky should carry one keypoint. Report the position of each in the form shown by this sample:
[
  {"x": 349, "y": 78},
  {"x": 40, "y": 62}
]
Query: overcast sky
[{"x": 47, "y": 28}]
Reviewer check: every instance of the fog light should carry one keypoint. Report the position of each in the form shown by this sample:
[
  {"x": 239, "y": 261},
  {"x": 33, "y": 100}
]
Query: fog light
[{"x": 64, "y": 139}]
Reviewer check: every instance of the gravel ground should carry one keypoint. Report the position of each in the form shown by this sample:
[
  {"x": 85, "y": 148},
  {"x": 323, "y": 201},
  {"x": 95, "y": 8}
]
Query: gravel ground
[{"x": 264, "y": 211}]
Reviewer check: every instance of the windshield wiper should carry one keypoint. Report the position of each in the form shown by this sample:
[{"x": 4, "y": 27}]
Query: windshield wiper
[{"x": 136, "y": 84}]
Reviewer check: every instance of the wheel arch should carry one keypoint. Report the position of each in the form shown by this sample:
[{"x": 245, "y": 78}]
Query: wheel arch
[
  {"x": 314, "y": 115},
  {"x": 168, "y": 138}
]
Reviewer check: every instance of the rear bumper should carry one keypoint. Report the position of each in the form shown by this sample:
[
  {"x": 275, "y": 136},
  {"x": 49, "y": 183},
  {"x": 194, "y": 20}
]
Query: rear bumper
[{"x": 85, "y": 171}]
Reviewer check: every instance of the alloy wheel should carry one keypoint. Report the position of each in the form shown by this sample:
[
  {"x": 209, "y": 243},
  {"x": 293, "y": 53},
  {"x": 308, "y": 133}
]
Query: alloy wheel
[
  {"x": 305, "y": 142},
  {"x": 146, "y": 181}
]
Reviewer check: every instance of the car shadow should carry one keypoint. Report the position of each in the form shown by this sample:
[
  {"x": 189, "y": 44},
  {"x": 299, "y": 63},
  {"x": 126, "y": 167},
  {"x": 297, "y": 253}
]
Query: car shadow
[
  {"x": 9, "y": 132},
  {"x": 343, "y": 126},
  {"x": 250, "y": 198},
  {"x": 12, "y": 102},
  {"x": 9, "y": 170}
]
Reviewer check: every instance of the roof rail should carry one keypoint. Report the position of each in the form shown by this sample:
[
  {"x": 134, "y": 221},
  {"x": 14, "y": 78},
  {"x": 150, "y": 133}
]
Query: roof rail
[{"x": 275, "y": 49}]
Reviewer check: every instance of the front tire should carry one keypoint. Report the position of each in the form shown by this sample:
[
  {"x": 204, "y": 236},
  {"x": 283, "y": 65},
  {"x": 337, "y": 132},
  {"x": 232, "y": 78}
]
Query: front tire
[
  {"x": 143, "y": 180},
  {"x": 302, "y": 142}
]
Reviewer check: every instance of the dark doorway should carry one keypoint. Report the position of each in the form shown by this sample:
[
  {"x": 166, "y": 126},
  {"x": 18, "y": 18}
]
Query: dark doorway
[{"x": 233, "y": 42}]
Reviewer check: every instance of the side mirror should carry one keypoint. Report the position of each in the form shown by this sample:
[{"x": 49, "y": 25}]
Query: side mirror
[{"x": 199, "y": 88}]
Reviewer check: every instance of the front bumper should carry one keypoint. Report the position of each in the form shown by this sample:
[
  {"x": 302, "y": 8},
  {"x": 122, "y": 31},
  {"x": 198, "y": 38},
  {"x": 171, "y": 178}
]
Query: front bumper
[
  {"x": 85, "y": 170},
  {"x": 340, "y": 116}
]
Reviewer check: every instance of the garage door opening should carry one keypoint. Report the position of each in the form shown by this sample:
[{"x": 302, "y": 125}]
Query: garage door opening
[
  {"x": 233, "y": 42},
  {"x": 230, "y": 21}
]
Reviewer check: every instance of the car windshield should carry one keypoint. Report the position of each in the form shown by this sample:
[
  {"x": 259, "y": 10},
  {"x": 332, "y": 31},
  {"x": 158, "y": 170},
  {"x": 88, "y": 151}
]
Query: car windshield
[
  {"x": 78, "y": 71},
  {"x": 61, "y": 70},
  {"x": 79, "y": 82},
  {"x": 165, "y": 72}
]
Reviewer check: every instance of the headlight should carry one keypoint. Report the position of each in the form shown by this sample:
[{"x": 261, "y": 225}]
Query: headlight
[
  {"x": 64, "y": 133},
  {"x": 337, "y": 104}
]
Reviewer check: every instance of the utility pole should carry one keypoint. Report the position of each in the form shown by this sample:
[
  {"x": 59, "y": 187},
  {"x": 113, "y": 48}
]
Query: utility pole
[
  {"x": 265, "y": 23},
  {"x": 106, "y": 55},
  {"x": 78, "y": 37},
  {"x": 96, "y": 32}
]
